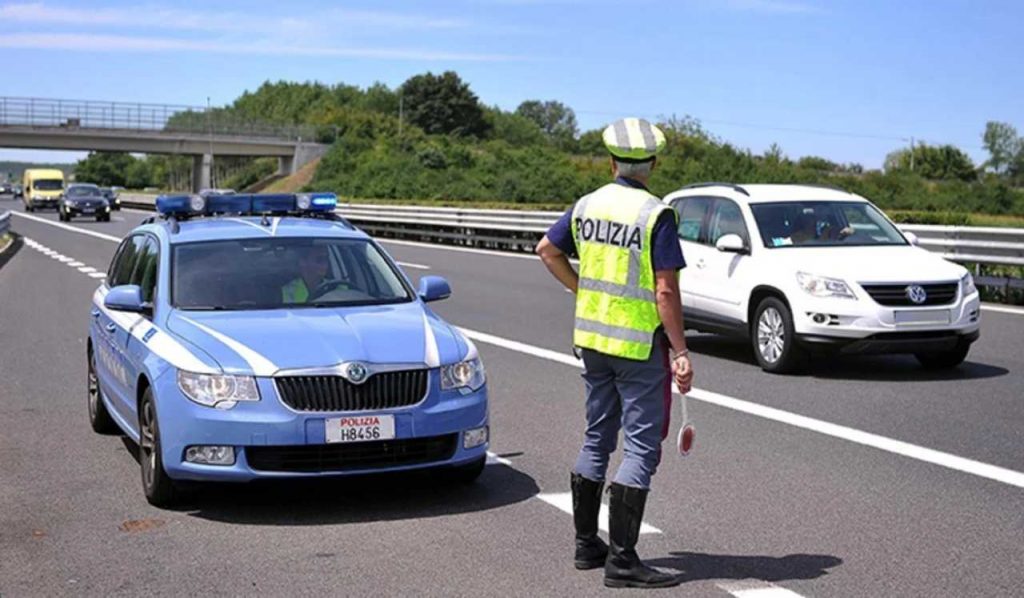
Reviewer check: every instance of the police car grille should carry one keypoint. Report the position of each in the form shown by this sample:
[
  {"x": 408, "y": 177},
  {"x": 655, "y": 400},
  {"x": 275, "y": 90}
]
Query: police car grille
[
  {"x": 386, "y": 390},
  {"x": 352, "y": 456},
  {"x": 896, "y": 294}
]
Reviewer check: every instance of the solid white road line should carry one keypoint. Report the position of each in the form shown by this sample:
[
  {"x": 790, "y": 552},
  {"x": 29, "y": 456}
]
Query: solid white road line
[
  {"x": 1005, "y": 309},
  {"x": 493, "y": 459},
  {"x": 563, "y": 502},
  {"x": 75, "y": 229},
  {"x": 756, "y": 588},
  {"x": 525, "y": 256},
  {"x": 412, "y": 265},
  {"x": 896, "y": 447}
]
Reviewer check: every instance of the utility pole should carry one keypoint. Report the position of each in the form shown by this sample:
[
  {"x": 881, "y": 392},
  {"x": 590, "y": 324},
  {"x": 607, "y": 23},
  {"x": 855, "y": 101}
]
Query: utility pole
[
  {"x": 911, "y": 153},
  {"x": 401, "y": 111}
]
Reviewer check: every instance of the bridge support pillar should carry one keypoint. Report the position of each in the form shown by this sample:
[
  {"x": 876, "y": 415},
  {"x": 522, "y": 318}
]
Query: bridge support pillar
[
  {"x": 286, "y": 165},
  {"x": 202, "y": 166}
]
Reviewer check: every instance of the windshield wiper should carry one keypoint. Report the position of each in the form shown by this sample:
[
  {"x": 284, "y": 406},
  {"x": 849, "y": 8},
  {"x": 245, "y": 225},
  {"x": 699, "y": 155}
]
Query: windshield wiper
[{"x": 205, "y": 308}]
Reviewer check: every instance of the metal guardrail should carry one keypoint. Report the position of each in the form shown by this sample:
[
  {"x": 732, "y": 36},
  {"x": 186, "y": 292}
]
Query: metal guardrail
[
  {"x": 513, "y": 230},
  {"x": 162, "y": 118},
  {"x": 5, "y": 223}
]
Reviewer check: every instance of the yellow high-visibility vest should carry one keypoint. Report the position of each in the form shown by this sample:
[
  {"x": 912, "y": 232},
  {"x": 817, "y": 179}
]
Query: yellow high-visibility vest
[
  {"x": 295, "y": 291},
  {"x": 616, "y": 310}
]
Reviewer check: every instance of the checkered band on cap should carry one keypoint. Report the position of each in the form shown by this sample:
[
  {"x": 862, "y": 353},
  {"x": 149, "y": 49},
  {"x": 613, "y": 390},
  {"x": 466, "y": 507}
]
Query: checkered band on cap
[{"x": 633, "y": 139}]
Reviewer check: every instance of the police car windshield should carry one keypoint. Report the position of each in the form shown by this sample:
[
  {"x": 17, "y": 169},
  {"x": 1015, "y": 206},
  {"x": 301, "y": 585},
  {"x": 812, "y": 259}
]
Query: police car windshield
[
  {"x": 82, "y": 191},
  {"x": 823, "y": 224},
  {"x": 282, "y": 273}
]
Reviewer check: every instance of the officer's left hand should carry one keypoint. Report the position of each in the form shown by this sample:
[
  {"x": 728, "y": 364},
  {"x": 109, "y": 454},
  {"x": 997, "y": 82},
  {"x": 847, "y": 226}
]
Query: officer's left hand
[{"x": 682, "y": 373}]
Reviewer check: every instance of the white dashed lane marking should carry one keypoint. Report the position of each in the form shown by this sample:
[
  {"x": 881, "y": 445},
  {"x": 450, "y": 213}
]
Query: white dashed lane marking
[
  {"x": 68, "y": 261},
  {"x": 563, "y": 502}
]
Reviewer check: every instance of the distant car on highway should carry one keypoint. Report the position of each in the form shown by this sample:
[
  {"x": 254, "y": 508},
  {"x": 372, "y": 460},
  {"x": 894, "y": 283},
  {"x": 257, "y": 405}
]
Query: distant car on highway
[
  {"x": 113, "y": 197},
  {"x": 800, "y": 269},
  {"x": 279, "y": 342},
  {"x": 84, "y": 199},
  {"x": 42, "y": 188},
  {"x": 6, "y": 188}
]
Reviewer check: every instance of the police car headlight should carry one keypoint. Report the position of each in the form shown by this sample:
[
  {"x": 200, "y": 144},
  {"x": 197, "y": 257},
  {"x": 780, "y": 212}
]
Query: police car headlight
[
  {"x": 217, "y": 390},
  {"x": 822, "y": 286},
  {"x": 967, "y": 284},
  {"x": 465, "y": 374}
]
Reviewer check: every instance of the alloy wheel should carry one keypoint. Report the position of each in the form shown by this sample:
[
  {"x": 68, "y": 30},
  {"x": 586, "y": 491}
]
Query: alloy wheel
[
  {"x": 147, "y": 443},
  {"x": 771, "y": 335}
]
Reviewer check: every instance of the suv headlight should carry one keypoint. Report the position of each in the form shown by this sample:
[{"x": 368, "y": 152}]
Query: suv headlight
[
  {"x": 465, "y": 374},
  {"x": 967, "y": 285},
  {"x": 215, "y": 390},
  {"x": 822, "y": 286}
]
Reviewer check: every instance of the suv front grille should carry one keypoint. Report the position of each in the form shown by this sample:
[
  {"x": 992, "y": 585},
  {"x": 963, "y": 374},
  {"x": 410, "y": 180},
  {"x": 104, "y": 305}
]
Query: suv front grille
[
  {"x": 895, "y": 295},
  {"x": 352, "y": 456},
  {"x": 386, "y": 390}
]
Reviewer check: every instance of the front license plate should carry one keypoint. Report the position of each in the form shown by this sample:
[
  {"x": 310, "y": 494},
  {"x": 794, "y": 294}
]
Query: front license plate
[
  {"x": 920, "y": 318},
  {"x": 88, "y": 210},
  {"x": 362, "y": 428}
]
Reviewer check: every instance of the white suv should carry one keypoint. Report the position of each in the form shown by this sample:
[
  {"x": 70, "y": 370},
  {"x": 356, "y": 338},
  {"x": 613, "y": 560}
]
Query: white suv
[{"x": 801, "y": 268}]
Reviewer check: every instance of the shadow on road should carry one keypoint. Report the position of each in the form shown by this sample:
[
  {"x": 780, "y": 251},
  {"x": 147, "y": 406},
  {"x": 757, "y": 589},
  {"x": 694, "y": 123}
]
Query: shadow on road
[
  {"x": 868, "y": 368},
  {"x": 696, "y": 566},
  {"x": 353, "y": 499}
]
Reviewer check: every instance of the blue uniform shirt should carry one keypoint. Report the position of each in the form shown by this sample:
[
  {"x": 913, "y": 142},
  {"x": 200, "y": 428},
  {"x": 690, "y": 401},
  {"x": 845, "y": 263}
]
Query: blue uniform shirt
[{"x": 666, "y": 253}]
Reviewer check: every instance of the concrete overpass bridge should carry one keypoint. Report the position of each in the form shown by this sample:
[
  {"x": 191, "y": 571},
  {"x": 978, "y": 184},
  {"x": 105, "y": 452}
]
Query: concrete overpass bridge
[{"x": 35, "y": 123}]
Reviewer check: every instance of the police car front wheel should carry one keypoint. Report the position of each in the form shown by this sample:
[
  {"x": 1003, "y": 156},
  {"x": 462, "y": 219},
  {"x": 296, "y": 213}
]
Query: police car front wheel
[{"x": 159, "y": 488}]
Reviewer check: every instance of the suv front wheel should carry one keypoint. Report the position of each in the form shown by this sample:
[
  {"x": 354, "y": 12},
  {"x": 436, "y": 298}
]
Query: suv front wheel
[{"x": 772, "y": 337}]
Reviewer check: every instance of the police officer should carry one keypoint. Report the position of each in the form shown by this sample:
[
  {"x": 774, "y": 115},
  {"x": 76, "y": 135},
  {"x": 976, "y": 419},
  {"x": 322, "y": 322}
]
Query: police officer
[
  {"x": 313, "y": 266},
  {"x": 629, "y": 327}
]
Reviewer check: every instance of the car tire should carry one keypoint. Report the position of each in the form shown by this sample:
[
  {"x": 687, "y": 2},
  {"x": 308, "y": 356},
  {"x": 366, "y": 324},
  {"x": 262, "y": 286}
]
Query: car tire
[
  {"x": 159, "y": 488},
  {"x": 771, "y": 335},
  {"x": 99, "y": 417},
  {"x": 29, "y": 208},
  {"x": 944, "y": 360},
  {"x": 466, "y": 474}
]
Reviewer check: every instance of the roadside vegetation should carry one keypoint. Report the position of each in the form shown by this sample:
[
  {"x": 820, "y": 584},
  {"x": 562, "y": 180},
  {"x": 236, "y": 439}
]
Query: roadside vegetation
[{"x": 432, "y": 139}]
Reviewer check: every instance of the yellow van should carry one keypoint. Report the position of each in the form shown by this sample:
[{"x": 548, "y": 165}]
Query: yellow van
[{"x": 42, "y": 187}]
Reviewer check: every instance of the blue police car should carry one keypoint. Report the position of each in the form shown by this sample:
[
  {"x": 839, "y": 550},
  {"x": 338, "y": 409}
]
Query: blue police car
[{"x": 240, "y": 337}]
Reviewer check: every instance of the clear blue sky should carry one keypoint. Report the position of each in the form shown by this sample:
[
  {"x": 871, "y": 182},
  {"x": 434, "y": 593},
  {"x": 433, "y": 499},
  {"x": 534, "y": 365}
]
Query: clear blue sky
[{"x": 754, "y": 71}]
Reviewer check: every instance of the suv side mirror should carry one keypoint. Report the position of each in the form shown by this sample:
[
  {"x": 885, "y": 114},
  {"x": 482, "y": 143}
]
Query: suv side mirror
[
  {"x": 434, "y": 288},
  {"x": 731, "y": 243},
  {"x": 911, "y": 238},
  {"x": 126, "y": 297}
]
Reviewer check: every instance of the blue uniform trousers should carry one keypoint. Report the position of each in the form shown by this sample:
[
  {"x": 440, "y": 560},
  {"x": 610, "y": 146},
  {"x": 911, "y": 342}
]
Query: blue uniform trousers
[{"x": 632, "y": 396}]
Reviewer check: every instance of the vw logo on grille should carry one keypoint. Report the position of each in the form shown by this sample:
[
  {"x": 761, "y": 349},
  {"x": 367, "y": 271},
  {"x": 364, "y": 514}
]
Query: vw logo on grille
[
  {"x": 916, "y": 294},
  {"x": 356, "y": 373}
]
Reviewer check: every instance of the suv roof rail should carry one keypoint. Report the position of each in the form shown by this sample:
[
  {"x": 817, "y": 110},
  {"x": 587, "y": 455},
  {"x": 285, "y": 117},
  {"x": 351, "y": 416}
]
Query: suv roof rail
[
  {"x": 826, "y": 186},
  {"x": 732, "y": 186}
]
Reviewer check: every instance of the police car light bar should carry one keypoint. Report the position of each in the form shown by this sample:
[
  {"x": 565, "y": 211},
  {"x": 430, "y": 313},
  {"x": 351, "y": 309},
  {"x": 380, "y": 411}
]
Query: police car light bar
[{"x": 184, "y": 206}]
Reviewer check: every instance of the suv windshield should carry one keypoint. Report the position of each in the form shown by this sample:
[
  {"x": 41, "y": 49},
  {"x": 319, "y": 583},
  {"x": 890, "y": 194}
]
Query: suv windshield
[
  {"x": 823, "y": 224},
  {"x": 48, "y": 185},
  {"x": 277, "y": 273}
]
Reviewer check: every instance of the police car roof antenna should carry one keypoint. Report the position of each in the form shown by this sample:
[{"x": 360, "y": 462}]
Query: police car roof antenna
[{"x": 172, "y": 222}]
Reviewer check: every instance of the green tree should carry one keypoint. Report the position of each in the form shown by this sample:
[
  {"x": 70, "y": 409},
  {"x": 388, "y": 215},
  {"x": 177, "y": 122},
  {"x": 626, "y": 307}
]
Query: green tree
[
  {"x": 933, "y": 162},
  {"x": 1005, "y": 148},
  {"x": 557, "y": 120},
  {"x": 443, "y": 104},
  {"x": 514, "y": 129},
  {"x": 103, "y": 168}
]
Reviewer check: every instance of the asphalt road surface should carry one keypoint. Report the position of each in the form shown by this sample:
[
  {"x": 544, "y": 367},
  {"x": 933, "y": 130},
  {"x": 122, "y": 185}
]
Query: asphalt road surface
[{"x": 864, "y": 477}]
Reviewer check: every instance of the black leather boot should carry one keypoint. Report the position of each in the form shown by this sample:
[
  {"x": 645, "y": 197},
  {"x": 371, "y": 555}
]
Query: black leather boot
[
  {"x": 624, "y": 569},
  {"x": 591, "y": 550}
]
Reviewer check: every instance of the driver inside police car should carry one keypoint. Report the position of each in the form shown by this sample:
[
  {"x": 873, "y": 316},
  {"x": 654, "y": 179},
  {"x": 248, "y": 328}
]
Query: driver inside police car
[{"x": 314, "y": 262}]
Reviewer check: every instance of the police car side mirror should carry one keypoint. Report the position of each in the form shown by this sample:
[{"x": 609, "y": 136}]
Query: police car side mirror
[
  {"x": 434, "y": 288},
  {"x": 126, "y": 297},
  {"x": 731, "y": 243}
]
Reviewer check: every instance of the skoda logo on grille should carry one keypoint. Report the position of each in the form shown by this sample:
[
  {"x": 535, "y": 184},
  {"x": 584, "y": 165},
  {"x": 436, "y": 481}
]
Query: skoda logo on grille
[
  {"x": 356, "y": 373},
  {"x": 916, "y": 294}
]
